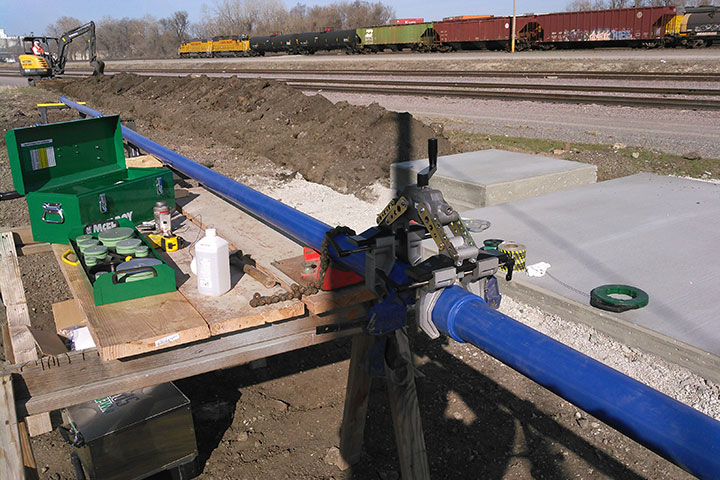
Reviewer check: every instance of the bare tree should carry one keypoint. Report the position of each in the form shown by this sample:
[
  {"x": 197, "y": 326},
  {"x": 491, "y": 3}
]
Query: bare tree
[
  {"x": 63, "y": 24},
  {"x": 177, "y": 25}
]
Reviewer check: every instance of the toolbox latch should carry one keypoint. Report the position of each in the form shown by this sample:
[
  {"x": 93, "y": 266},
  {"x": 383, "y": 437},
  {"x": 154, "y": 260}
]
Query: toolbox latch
[
  {"x": 102, "y": 202},
  {"x": 159, "y": 183},
  {"x": 52, "y": 209}
]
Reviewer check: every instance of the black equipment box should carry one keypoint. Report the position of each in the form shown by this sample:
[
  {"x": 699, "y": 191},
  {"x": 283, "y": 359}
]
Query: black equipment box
[{"x": 135, "y": 435}]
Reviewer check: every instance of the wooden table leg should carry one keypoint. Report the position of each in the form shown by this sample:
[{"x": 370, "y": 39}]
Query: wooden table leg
[
  {"x": 356, "y": 400},
  {"x": 405, "y": 408}
]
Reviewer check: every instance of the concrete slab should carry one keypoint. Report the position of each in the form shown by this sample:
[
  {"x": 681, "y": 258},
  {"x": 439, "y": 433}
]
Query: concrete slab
[
  {"x": 660, "y": 234},
  {"x": 490, "y": 177}
]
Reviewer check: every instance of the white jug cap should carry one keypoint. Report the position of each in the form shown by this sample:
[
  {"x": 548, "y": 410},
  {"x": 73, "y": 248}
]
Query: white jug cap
[{"x": 210, "y": 232}]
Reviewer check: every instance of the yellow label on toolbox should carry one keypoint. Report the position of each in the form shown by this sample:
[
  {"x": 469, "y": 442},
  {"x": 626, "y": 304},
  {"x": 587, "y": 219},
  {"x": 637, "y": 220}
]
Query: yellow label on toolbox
[{"x": 43, "y": 156}]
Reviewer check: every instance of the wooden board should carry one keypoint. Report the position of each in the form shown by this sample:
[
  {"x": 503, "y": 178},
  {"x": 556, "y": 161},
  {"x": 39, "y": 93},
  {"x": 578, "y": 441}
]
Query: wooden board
[
  {"x": 232, "y": 311},
  {"x": 243, "y": 231},
  {"x": 24, "y": 242},
  {"x": 143, "y": 161},
  {"x": 81, "y": 376},
  {"x": 323, "y": 301},
  {"x": 11, "y": 462},
  {"x": 135, "y": 326},
  {"x": 21, "y": 347},
  {"x": 67, "y": 314}
]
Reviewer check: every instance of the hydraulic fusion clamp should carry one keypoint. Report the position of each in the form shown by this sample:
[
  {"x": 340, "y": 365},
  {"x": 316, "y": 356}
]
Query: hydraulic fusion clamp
[{"x": 419, "y": 212}]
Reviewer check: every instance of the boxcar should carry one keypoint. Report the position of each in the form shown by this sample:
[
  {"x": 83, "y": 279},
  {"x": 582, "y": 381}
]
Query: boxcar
[
  {"x": 620, "y": 26},
  {"x": 196, "y": 48},
  {"x": 417, "y": 36}
]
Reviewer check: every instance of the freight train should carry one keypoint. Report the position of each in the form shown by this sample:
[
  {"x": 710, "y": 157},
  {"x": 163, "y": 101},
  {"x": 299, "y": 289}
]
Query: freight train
[{"x": 635, "y": 27}]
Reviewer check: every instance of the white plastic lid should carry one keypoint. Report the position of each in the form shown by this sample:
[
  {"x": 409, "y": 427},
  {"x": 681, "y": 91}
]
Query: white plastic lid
[{"x": 210, "y": 232}]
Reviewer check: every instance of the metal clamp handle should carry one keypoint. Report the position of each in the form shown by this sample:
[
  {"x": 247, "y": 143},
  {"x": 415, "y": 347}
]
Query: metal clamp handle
[
  {"x": 54, "y": 209},
  {"x": 159, "y": 185}
]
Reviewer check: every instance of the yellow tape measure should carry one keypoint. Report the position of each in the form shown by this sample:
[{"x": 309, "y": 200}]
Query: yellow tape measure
[{"x": 517, "y": 252}]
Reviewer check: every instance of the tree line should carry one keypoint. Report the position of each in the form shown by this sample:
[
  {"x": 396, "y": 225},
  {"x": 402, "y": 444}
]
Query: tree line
[{"x": 150, "y": 37}]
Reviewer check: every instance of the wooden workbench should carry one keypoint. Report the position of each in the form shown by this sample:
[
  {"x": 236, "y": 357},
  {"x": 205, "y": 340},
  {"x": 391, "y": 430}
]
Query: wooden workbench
[{"x": 207, "y": 334}]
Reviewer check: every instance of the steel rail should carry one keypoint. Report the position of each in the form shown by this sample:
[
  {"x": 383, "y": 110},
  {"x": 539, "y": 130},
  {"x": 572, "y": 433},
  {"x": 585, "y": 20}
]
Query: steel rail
[
  {"x": 707, "y": 92},
  {"x": 675, "y": 431},
  {"x": 687, "y": 104},
  {"x": 644, "y": 76}
]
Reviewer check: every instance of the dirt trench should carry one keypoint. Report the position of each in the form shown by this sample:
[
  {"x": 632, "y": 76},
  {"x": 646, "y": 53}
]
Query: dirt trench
[{"x": 343, "y": 146}]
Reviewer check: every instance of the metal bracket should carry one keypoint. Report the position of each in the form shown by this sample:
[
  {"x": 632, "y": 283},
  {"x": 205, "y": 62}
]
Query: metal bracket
[
  {"x": 102, "y": 202},
  {"x": 427, "y": 297},
  {"x": 159, "y": 184},
  {"x": 53, "y": 209},
  {"x": 380, "y": 257}
]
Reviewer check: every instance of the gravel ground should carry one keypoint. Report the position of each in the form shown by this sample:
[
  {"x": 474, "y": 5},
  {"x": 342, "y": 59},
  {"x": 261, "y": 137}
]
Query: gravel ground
[
  {"x": 674, "y": 131},
  {"x": 513, "y": 404}
]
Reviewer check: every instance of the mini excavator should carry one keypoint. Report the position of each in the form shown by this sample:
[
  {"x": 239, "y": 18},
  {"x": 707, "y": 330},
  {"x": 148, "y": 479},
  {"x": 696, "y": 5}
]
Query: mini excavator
[{"x": 52, "y": 63}]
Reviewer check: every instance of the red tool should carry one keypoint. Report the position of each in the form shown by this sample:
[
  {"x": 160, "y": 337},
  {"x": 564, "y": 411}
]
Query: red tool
[{"x": 336, "y": 275}]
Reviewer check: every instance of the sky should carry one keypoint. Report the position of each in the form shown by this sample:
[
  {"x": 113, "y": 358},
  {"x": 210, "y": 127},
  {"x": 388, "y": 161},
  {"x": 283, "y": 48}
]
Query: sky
[{"x": 21, "y": 17}]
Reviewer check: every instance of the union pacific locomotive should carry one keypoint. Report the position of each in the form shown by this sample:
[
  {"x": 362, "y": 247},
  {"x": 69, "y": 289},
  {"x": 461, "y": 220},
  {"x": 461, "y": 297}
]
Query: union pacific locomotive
[{"x": 644, "y": 26}]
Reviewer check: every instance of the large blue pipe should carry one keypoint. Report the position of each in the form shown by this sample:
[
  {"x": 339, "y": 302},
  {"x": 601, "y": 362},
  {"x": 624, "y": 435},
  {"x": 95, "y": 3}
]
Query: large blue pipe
[{"x": 679, "y": 433}]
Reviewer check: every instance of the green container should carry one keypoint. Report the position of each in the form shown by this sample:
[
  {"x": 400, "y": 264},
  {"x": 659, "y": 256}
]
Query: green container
[
  {"x": 114, "y": 287},
  {"x": 73, "y": 175},
  {"x": 414, "y": 35}
]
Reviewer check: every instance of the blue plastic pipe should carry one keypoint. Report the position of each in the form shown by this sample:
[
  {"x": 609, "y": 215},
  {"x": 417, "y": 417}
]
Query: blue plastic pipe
[{"x": 675, "y": 431}]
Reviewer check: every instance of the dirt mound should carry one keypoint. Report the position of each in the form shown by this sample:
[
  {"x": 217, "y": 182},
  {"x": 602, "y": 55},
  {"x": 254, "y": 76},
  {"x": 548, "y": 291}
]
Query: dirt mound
[{"x": 343, "y": 146}]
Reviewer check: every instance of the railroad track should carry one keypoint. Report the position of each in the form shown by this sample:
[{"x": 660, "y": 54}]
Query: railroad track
[
  {"x": 657, "y": 97},
  {"x": 597, "y": 75},
  {"x": 655, "y": 102}
]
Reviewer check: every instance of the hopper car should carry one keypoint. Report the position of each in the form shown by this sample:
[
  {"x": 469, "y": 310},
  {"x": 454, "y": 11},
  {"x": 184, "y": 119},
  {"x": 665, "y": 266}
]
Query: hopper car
[{"x": 629, "y": 27}]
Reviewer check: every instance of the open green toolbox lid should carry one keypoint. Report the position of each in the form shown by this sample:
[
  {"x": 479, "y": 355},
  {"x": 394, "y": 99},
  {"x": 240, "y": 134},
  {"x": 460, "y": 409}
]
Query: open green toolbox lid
[{"x": 73, "y": 174}]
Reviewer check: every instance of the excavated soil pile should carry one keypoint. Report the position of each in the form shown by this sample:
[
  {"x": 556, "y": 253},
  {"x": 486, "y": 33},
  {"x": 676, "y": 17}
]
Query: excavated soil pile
[{"x": 343, "y": 146}]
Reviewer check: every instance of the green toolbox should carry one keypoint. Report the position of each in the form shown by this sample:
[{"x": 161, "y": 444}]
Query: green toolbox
[
  {"x": 73, "y": 174},
  {"x": 119, "y": 263}
]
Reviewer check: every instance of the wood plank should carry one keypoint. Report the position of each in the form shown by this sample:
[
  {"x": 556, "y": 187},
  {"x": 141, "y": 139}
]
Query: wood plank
[
  {"x": 31, "y": 471},
  {"x": 34, "y": 248},
  {"x": 81, "y": 376},
  {"x": 232, "y": 311},
  {"x": 406, "y": 409},
  {"x": 11, "y": 461},
  {"x": 143, "y": 161},
  {"x": 21, "y": 342},
  {"x": 67, "y": 314},
  {"x": 357, "y": 394},
  {"x": 11, "y": 287},
  {"x": 323, "y": 301},
  {"x": 135, "y": 326}
]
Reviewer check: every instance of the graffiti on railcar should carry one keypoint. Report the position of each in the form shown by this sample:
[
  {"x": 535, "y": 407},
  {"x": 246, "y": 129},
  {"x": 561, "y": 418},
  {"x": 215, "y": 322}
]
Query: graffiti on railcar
[{"x": 600, "y": 35}]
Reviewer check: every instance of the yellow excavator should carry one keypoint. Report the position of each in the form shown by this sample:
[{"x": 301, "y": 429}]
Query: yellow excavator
[{"x": 49, "y": 59}]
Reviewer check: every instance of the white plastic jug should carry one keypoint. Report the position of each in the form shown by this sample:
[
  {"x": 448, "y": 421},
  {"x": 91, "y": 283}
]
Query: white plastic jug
[{"x": 212, "y": 258}]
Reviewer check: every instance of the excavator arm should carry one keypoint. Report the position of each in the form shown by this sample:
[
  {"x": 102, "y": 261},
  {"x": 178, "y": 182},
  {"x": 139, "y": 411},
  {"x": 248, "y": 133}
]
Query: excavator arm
[{"x": 67, "y": 38}]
